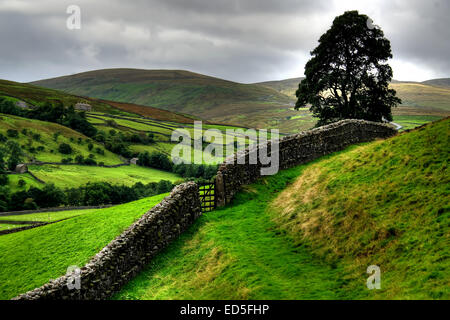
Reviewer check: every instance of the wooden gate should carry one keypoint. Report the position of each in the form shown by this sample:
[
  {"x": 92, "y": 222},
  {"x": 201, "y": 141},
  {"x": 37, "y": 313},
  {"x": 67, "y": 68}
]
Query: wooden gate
[{"x": 207, "y": 198}]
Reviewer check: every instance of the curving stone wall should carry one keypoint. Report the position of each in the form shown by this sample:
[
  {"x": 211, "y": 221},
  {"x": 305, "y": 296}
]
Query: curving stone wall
[
  {"x": 125, "y": 256},
  {"x": 294, "y": 150}
]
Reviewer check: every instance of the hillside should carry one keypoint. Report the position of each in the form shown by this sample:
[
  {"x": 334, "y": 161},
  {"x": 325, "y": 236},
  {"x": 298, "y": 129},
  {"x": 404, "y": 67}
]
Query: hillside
[
  {"x": 421, "y": 102},
  {"x": 40, "y": 141},
  {"x": 33, "y": 95},
  {"x": 207, "y": 97},
  {"x": 425, "y": 97},
  {"x": 310, "y": 232},
  {"x": 30, "y": 258},
  {"x": 443, "y": 82},
  {"x": 287, "y": 87}
]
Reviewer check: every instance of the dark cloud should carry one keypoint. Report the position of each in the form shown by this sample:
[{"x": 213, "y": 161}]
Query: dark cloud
[{"x": 242, "y": 40}]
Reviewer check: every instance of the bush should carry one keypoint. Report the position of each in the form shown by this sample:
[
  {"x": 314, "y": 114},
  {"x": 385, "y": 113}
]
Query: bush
[
  {"x": 100, "y": 151},
  {"x": 3, "y": 139},
  {"x": 29, "y": 204},
  {"x": 21, "y": 183},
  {"x": 79, "y": 159},
  {"x": 12, "y": 133},
  {"x": 156, "y": 160},
  {"x": 90, "y": 162},
  {"x": 4, "y": 179},
  {"x": 90, "y": 146},
  {"x": 65, "y": 148}
]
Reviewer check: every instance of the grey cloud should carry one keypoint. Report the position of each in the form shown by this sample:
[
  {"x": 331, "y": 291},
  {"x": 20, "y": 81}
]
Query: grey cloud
[{"x": 241, "y": 40}]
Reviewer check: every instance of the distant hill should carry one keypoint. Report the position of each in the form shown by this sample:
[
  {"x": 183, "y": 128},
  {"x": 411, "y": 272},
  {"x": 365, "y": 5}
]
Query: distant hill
[
  {"x": 186, "y": 92},
  {"x": 430, "y": 97},
  {"x": 443, "y": 82},
  {"x": 287, "y": 87},
  {"x": 33, "y": 95}
]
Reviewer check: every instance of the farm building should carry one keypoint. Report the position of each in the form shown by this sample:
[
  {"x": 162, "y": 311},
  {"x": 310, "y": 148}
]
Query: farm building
[
  {"x": 21, "y": 168},
  {"x": 83, "y": 106}
]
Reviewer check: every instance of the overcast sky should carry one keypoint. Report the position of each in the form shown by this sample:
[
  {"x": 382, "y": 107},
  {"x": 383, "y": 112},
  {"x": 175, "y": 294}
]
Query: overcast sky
[{"x": 240, "y": 40}]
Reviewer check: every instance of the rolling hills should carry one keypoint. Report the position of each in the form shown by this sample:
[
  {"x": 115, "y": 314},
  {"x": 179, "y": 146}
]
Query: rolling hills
[
  {"x": 34, "y": 95},
  {"x": 260, "y": 105},
  {"x": 310, "y": 232},
  {"x": 430, "y": 97},
  {"x": 206, "y": 97}
]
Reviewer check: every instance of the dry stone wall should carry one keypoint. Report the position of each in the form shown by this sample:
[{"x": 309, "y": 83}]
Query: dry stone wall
[
  {"x": 294, "y": 150},
  {"x": 125, "y": 256}
]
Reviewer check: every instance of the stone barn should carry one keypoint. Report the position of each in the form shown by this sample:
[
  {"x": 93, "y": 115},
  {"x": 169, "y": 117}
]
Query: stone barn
[
  {"x": 21, "y": 168},
  {"x": 83, "y": 106}
]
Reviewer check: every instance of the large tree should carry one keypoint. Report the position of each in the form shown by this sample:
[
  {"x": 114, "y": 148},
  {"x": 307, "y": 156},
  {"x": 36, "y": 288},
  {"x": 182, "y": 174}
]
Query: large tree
[{"x": 348, "y": 76}]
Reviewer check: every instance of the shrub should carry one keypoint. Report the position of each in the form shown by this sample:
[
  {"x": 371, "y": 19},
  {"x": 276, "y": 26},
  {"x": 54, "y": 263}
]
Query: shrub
[
  {"x": 4, "y": 179},
  {"x": 65, "y": 148},
  {"x": 12, "y": 133},
  {"x": 21, "y": 183},
  {"x": 90, "y": 162},
  {"x": 79, "y": 159},
  {"x": 100, "y": 151}
]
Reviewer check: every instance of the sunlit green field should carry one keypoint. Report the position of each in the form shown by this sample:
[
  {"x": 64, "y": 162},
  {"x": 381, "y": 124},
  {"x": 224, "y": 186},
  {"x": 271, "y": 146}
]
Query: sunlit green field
[
  {"x": 74, "y": 175},
  {"x": 45, "y": 148},
  {"x": 46, "y": 216},
  {"x": 31, "y": 258}
]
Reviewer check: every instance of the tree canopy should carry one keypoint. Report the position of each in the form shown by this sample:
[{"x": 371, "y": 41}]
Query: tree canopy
[{"x": 348, "y": 76}]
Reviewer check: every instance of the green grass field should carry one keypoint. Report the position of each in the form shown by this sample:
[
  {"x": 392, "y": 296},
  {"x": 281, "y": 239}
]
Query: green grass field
[
  {"x": 74, "y": 175},
  {"x": 413, "y": 121},
  {"x": 382, "y": 203},
  {"x": 47, "y": 216},
  {"x": 236, "y": 253},
  {"x": 50, "y": 152},
  {"x": 7, "y": 226},
  {"x": 13, "y": 182},
  {"x": 31, "y": 258}
]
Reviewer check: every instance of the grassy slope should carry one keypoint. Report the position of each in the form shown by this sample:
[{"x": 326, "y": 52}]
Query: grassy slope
[
  {"x": 7, "y": 226},
  {"x": 162, "y": 132},
  {"x": 13, "y": 182},
  {"x": 74, "y": 175},
  {"x": 34, "y": 95},
  {"x": 46, "y": 130},
  {"x": 30, "y": 258},
  {"x": 46, "y": 216},
  {"x": 236, "y": 253},
  {"x": 182, "y": 91},
  {"x": 382, "y": 203},
  {"x": 385, "y": 203}
]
